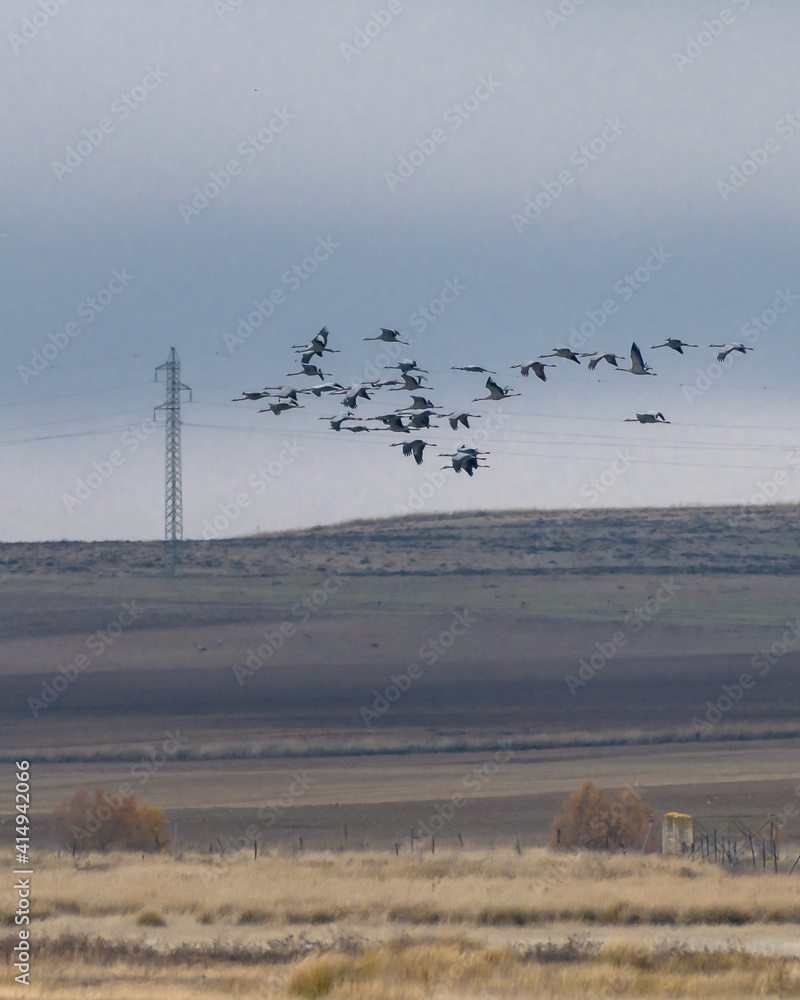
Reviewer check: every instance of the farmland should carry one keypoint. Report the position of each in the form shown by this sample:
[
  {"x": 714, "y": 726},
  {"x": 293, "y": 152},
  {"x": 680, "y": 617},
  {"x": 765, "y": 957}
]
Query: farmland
[
  {"x": 458, "y": 924},
  {"x": 311, "y": 696}
]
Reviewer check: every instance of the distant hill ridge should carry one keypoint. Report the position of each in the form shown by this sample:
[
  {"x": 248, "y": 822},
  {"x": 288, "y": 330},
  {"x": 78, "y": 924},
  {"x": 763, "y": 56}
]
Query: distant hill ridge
[{"x": 641, "y": 540}]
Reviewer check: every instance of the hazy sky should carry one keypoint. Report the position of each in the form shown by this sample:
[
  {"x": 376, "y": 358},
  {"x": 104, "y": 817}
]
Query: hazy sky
[{"x": 517, "y": 172}]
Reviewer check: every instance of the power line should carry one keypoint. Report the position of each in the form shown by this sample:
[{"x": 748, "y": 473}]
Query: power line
[
  {"x": 53, "y": 437},
  {"x": 69, "y": 420},
  {"x": 68, "y": 395},
  {"x": 495, "y": 449},
  {"x": 100, "y": 361},
  {"x": 619, "y": 439},
  {"x": 542, "y": 416}
]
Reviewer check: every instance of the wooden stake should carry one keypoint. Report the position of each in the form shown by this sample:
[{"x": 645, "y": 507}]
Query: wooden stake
[{"x": 649, "y": 830}]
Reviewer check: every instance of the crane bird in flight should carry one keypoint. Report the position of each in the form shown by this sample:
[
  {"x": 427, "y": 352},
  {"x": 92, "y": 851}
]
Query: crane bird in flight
[
  {"x": 393, "y": 421},
  {"x": 353, "y": 394},
  {"x": 420, "y": 403},
  {"x": 336, "y": 422},
  {"x": 652, "y": 417},
  {"x": 460, "y": 418},
  {"x": 729, "y": 348},
  {"x": 496, "y": 391},
  {"x": 278, "y": 408},
  {"x": 390, "y": 336},
  {"x": 477, "y": 369},
  {"x": 312, "y": 370},
  {"x": 608, "y": 356},
  {"x": 326, "y": 387},
  {"x": 410, "y": 383},
  {"x": 415, "y": 448},
  {"x": 249, "y": 395},
  {"x": 675, "y": 343},
  {"x": 537, "y": 366},
  {"x": 318, "y": 345},
  {"x": 283, "y": 391},
  {"x": 465, "y": 460},
  {"x": 562, "y": 352},
  {"x": 407, "y": 365},
  {"x": 322, "y": 337},
  {"x": 421, "y": 420},
  {"x": 638, "y": 367}
]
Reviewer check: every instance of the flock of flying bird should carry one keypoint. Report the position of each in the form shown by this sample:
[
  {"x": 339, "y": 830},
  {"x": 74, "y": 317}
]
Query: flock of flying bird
[{"x": 422, "y": 410}]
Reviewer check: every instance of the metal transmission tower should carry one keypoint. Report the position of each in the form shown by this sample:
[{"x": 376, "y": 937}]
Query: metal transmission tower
[{"x": 173, "y": 510}]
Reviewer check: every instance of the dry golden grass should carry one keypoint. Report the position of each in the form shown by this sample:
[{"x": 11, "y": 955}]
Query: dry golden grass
[
  {"x": 455, "y": 924},
  {"x": 480, "y": 888},
  {"x": 459, "y": 968},
  {"x": 447, "y": 967}
]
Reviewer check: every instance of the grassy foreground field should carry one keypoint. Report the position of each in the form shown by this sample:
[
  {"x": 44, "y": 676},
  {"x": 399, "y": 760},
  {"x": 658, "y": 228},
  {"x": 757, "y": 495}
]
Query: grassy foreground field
[
  {"x": 671, "y": 607},
  {"x": 449, "y": 925}
]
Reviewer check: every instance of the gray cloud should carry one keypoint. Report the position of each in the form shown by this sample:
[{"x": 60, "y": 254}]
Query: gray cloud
[{"x": 486, "y": 107}]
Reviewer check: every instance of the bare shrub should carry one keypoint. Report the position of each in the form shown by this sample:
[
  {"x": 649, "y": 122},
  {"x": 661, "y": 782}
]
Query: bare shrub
[
  {"x": 100, "y": 819},
  {"x": 599, "y": 819}
]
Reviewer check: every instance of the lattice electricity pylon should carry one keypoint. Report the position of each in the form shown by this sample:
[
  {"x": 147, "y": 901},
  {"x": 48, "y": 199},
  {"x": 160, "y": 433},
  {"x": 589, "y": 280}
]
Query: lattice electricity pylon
[{"x": 173, "y": 508}]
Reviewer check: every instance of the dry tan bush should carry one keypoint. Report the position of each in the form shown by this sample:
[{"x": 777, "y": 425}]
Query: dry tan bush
[
  {"x": 316, "y": 976},
  {"x": 602, "y": 819},
  {"x": 100, "y": 819}
]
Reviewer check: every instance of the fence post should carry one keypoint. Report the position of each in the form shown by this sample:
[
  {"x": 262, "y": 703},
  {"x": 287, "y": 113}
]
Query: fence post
[{"x": 649, "y": 829}]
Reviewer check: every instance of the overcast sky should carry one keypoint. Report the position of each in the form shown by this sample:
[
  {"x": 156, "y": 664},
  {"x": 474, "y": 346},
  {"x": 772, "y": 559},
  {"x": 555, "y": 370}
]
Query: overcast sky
[{"x": 516, "y": 172}]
